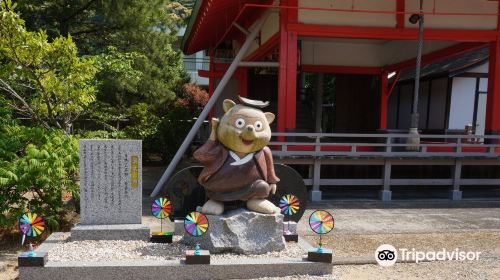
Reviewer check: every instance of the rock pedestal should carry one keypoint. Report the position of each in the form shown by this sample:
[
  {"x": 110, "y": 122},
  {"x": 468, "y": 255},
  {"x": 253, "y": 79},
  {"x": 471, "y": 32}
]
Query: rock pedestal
[
  {"x": 110, "y": 191},
  {"x": 243, "y": 232}
]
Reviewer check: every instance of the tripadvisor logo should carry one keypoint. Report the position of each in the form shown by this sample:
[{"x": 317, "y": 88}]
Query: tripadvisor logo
[{"x": 387, "y": 255}]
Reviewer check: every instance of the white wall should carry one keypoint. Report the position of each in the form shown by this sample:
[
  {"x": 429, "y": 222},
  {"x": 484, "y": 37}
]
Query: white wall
[
  {"x": 456, "y": 6},
  {"x": 348, "y": 18},
  {"x": 389, "y": 20},
  {"x": 462, "y": 102},
  {"x": 270, "y": 27},
  {"x": 369, "y": 53}
]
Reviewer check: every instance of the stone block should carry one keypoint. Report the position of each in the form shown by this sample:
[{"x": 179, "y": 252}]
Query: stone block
[
  {"x": 161, "y": 237},
  {"x": 110, "y": 182},
  {"x": 325, "y": 257},
  {"x": 243, "y": 232},
  {"x": 203, "y": 258},
  {"x": 24, "y": 259}
]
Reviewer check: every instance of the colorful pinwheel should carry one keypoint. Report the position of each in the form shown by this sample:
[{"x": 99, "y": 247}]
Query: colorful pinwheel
[
  {"x": 161, "y": 208},
  {"x": 289, "y": 204},
  {"x": 31, "y": 225},
  {"x": 321, "y": 222},
  {"x": 196, "y": 224}
]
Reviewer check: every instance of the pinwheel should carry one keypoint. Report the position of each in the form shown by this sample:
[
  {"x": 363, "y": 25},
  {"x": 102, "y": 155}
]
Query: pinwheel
[
  {"x": 289, "y": 205},
  {"x": 321, "y": 222},
  {"x": 31, "y": 225},
  {"x": 196, "y": 224},
  {"x": 161, "y": 209}
]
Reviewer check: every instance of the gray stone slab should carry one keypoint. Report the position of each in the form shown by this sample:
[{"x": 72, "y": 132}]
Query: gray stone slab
[
  {"x": 110, "y": 232},
  {"x": 243, "y": 232},
  {"x": 218, "y": 269},
  {"x": 110, "y": 182}
]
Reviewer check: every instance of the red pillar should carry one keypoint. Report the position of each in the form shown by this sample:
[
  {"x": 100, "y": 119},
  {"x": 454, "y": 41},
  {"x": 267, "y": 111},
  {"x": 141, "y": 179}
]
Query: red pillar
[
  {"x": 493, "y": 101},
  {"x": 287, "y": 80},
  {"x": 400, "y": 17},
  {"x": 384, "y": 99}
]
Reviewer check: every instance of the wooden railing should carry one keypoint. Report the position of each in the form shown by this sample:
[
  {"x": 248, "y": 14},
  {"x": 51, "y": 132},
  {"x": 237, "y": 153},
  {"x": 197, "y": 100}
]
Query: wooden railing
[{"x": 383, "y": 145}]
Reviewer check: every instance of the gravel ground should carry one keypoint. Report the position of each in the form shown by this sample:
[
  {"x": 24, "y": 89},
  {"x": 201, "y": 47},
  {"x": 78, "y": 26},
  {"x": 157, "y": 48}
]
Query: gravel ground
[{"x": 116, "y": 250}]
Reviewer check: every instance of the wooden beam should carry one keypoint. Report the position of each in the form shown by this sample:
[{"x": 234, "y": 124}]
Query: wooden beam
[
  {"x": 341, "y": 69},
  {"x": 264, "y": 49},
  {"x": 387, "y": 33},
  {"x": 438, "y": 55}
]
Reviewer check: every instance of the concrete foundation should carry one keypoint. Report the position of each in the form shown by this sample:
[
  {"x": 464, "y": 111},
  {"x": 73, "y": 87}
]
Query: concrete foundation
[
  {"x": 218, "y": 269},
  {"x": 315, "y": 196},
  {"x": 455, "y": 195},
  {"x": 110, "y": 232},
  {"x": 385, "y": 195}
]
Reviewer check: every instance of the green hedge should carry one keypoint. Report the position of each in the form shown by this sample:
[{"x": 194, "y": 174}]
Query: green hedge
[{"x": 37, "y": 166}]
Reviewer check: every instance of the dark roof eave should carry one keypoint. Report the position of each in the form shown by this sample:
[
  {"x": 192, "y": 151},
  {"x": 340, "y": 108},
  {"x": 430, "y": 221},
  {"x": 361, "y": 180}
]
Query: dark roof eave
[{"x": 189, "y": 28}]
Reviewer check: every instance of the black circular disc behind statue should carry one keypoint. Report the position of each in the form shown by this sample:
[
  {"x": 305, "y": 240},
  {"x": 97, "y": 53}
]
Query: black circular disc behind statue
[
  {"x": 290, "y": 183},
  {"x": 185, "y": 193}
]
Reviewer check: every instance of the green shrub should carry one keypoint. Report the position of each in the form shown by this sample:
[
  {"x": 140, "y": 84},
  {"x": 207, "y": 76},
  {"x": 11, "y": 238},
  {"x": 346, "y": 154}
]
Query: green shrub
[{"x": 37, "y": 167}]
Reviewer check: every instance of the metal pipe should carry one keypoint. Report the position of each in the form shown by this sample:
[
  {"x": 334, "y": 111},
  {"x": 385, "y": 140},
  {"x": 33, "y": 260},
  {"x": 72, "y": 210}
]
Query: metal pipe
[
  {"x": 418, "y": 67},
  {"x": 414, "y": 113},
  {"x": 211, "y": 102},
  {"x": 259, "y": 64}
]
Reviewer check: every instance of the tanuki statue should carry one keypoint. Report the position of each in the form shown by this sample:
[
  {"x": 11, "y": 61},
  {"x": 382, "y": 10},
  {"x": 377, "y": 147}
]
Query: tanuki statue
[{"x": 238, "y": 165}]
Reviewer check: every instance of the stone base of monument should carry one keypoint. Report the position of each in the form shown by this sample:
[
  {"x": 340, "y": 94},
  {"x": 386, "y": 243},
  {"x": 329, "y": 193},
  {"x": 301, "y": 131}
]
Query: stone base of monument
[
  {"x": 323, "y": 256},
  {"x": 161, "y": 237},
  {"x": 219, "y": 268},
  {"x": 202, "y": 258},
  {"x": 242, "y": 232},
  {"x": 110, "y": 232}
]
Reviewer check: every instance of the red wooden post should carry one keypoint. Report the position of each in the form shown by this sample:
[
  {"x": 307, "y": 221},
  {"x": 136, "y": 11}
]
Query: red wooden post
[
  {"x": 287, "y": 84},
  {"x": 384, "y": 99},
  {"x": 400, "y": 17},
  {"x": 282, "y": 81},
  {"x": 493, "y": 101}
]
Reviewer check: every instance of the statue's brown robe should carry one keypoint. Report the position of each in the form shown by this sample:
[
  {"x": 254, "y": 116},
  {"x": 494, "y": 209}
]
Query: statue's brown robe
[{"x": 213, "y": 155}]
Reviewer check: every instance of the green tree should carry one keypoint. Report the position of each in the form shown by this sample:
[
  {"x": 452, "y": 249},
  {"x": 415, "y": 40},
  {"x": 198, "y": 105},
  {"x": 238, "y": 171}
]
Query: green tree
[
  {"x": 37, "y": 167},
  {"x": 44, "y": 81},
  {"x": 146, "y": 28}
]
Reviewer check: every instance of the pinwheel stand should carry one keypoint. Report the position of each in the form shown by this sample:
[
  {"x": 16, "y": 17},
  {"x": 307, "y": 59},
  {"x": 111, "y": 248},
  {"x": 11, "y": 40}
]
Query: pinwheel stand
[
  {"x": 32, "y": 226},
  {"x": 321, "y": 222},
  {"x": 197, "y": 256},
  {"x": 161, "y": 237},
  {"x": 323, "y": 255},
  {"x": 196, "y": 225},
  {"x": 290, "y": 232},
  {"x": 289, "y": 205},
  {"x": 161, "y": 209},
  {"x": 25, "y": 259}
]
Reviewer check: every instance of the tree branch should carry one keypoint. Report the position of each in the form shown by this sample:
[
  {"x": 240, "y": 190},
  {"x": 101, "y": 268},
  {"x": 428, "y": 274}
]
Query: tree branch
[{"x": 7, "y": 88}]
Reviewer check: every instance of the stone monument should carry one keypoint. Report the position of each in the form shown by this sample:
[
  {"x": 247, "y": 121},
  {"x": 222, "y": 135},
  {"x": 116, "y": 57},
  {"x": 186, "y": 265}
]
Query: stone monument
[{"x": 110, "y": 191}]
